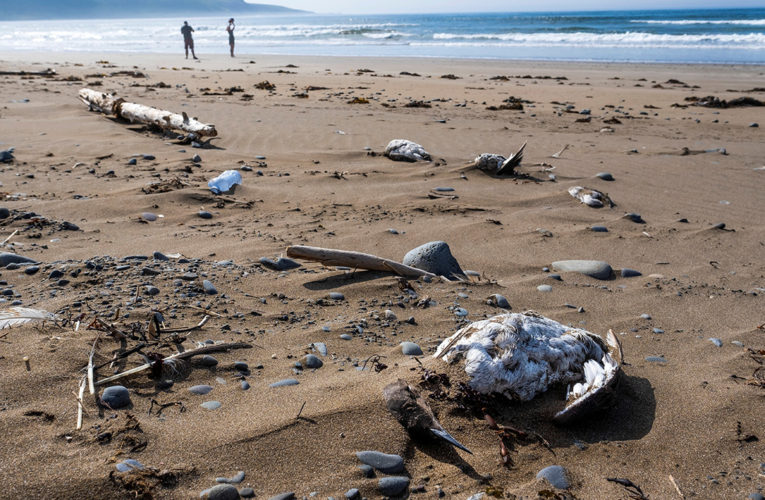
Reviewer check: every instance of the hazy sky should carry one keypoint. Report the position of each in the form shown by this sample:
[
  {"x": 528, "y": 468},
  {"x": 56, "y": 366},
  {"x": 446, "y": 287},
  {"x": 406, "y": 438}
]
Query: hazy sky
[{"x": 410, "y": 6}]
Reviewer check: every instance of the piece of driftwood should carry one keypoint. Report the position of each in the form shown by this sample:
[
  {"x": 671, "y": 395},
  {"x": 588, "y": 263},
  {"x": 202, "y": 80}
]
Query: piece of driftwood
[
  {"x": 356, "y": 260},
  {"x": 46, "y": 72},
  {"x": 79, "y": 403},
  {"x": 181, "y": 355},
  {"x": 139, "y": 113}
]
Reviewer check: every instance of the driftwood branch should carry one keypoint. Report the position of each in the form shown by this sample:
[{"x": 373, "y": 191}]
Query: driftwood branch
[
  {"x": 147, "y": 115},
  {"x": 356, "y": 260},
  {"x": 181, "y": 355}
]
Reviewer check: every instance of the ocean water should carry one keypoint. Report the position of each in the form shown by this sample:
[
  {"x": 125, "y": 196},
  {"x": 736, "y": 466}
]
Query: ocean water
[{"x": 680, "y": 36}]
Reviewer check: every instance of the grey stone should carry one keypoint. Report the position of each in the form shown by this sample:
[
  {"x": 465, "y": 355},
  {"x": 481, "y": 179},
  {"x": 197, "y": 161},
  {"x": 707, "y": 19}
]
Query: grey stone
[
  {"x": 599, "y": 229},
  {"x": 345, "y": 336},
  {"x": 189, "y": 276},
  {"x": 645, "y": 316},
  {"x": 367, "y": 470},
  {"x": 716, "y": 341},
  {"x": 754, "y": 125},
  {"x": 336, "y": 296},
  {"x": 389, "y": 464},
  {"x": 31, "y": 270},
  {"x": 555, "y": 276},
  {"x": 630, "y": 273},
  {"x": 196, "y": 158},
  {"x": 209, "y": 288},
  {"x": 151, "y": 290},
  {"x": 755, "y": 496},
  {"x": 434, "y": 257},
  {"x": 461, "y": 312},
  {"x": 55, "y": 274},
  {"x": 284, "y": 382},
  {"x": 148, "y": 216},
  {"x": 597, "y": 269},
  {"x": 555, "y": 475},
  {"x": 352, "y": 494},
  {"x": 411, "y": 349},
  {"x": 236, "y": 479},
  {"x": 211, "y": 405},
  {"x": 634, "y": 217},
  {"x": 658, "y": 330},
  {"x": 207, "y": 360},
  {"x": 241, "y": 366},
  {"x": 544, "y": 288},
  {"x": 393, "y": 486},
  {"x": 221, "y": 492},
  {"x": 204, "y": 214},
  {"x": 200, "y": 389},
  {"x": 311, "y": 361},
  {"x": 244, "y": 385},
  {"x": 160, "y": 256},
  {"x": 281, "y": 264},
  {"x": 12, "y": 258},
  {"x": 605, "y": 176},
  {"x": 498, "y": 300},
  {"x": 321, "y": 347},
  {"x": 246, "y": 493},
  {"x": 116, "y": 397},
  {"x": 4, "y": 213},
  {"x": 655, "y": 359}
]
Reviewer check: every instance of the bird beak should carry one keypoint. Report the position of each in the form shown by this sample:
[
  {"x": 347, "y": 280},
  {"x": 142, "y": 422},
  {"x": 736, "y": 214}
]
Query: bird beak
[{"x": 449, "y": 439}]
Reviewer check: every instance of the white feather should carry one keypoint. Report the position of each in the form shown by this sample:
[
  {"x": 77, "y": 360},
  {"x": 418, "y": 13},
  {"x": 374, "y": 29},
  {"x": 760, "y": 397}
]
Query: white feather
[{"x": 14, "y": 316}]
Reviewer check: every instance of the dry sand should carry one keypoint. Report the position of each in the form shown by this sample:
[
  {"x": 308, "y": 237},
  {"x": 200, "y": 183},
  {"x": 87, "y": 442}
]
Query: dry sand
[{"x": 696, "y": 417}]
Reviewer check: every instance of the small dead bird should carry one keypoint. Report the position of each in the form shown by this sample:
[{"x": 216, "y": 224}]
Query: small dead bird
[
  {"x": 497, "y": 164},
  {"x": 411, "y": 410}
]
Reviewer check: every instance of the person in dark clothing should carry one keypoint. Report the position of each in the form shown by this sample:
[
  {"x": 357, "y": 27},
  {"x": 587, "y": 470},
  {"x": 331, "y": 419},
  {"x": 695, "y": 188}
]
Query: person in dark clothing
[
  {"x": 230, "y": 30},
  {"x": 188, "y": 41}
]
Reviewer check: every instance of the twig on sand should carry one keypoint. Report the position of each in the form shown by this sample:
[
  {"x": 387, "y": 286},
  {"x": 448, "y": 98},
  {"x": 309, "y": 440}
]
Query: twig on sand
[
  {"x": 91, "y": 369},
  {"x": 181, "y": 355},
  {"x": 297, "y": 417},
  {"x": 188, "y": 329},
  {"x": 677, "y": 488},
  {"x": 79, "y": 403},
  {"x": 559, "y": 154},
  {"x": 6, "y": 240},
  {"x": 633, "y": 490}
]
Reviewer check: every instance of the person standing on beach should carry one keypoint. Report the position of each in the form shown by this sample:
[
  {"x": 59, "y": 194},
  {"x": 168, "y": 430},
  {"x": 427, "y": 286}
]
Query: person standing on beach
[
  {"x": 230, "y": 30},
  {"x": 188, "y": 41}
]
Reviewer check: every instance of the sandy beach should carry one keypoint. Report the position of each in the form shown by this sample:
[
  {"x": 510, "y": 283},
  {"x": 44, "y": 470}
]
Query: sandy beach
[{"x": 687, "y": 421}]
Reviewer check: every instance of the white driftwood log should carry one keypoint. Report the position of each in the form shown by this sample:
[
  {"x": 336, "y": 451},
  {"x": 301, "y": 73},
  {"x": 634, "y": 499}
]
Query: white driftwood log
[
  {"x": 145, "y": 114},
  {"x": 356, "y": 260}
]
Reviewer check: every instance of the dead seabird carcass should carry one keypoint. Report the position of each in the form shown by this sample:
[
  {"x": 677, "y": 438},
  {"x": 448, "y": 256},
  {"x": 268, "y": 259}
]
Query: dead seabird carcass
[
  {"x": 411, "y": 410},
  {"x": 403, "y": 150},
  {"x": 498, "y": 164},
  {"x": 590, "y": 197},
  {"x": 522, "y": 355}
]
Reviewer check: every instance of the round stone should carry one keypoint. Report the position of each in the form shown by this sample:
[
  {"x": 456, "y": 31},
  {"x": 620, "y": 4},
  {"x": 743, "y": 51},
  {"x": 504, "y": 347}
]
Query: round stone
[
  {"x": 555, "y": 475},
  {"x": 345, "y": 336},
  {"x": 281, "y": 264},
  {"x": 221, "y": 492},
  {"x": 148, "y": 216},
  {"x": 321, "y": 347},
  {"x": 151, "y": 290},
  {"x": 434, "y": 257},
  {"x": 393, "y": 486},
  {"x": 245, "y": 385},
  {"x": 411, "y": 349},
  {"x": 498, "y": 300},
  {"x": 4, "y": 213},
  {"x": 241, "y": 366},
  {"x": 246, "y": 493},
  {"x": 389, "y": 464},
  {"x": 599, "y": 229},
  {"x": 200, "y": 389},
  {"x": 352, "y": 494},
  {"x": 544, "y": 288},
  {"x": 311, "y": 361},
  {"x": 336, "y": 296},
  {"x": 116, "y": 397},
  {"x": 209, "y": 288},
  {"x": 204, "y": 214},
  {"x": 604, "y": 176},
  {"x": 207, "y": 360},
  {"x": 211, "y": 405}
]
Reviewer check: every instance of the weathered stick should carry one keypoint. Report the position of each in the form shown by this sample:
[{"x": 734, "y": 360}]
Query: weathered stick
[
  {"x": 79, "y": 404},
  {"x": 9, "y": 238},
  {"x": 91, "y": 370},
  {"x": 181, "y": 355},
  {"x": 357, "y": 260},
  {"x": 133, "y": 112},
  {"x": 46, "y": 72}
]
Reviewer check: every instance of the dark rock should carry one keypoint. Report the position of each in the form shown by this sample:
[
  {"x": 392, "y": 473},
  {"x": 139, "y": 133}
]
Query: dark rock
[
  {"x": 207, "y": 360},
  {"x": 434, "y": 257},
  {"x": 12, "y": 258},
  {"x": 634, "y": 218},
  {"x": 68, "y": 226},
  {"x": 367, "y": 470},
  {"x": 204, "y": 214},
  {"x": 498, "y": 300},
  {"x": 241, "y": 366},
  {"x": 151, "y": 290},
  {"x": 311, "y": 361},
  {"x": 148, "y": 157},
  {"x": 148, "y": 271},
  {"x": 352, "y": 494},
  {"x": 393, "y": 486},
  {"x": 246, "y": 493},
  {"x": 389, "y": 464},
  {"x": 160, "y": 256},
  {"x": 4, "y": 213},
  {"x": 244, "y": 385},
  {"x": 604, "y": 176},
  {"x": 116, "y": 397},
  {"x": 31, "y": 270},
  {"x": 599, "y": 229},
  {"x": 336, "y": 296},
  {"x": 221, "y": 492},
  {"x": 281, "y": 264}
]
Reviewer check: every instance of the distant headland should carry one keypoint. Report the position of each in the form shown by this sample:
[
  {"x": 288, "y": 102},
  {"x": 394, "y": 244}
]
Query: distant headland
[{"x": 95, "y": 9}]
